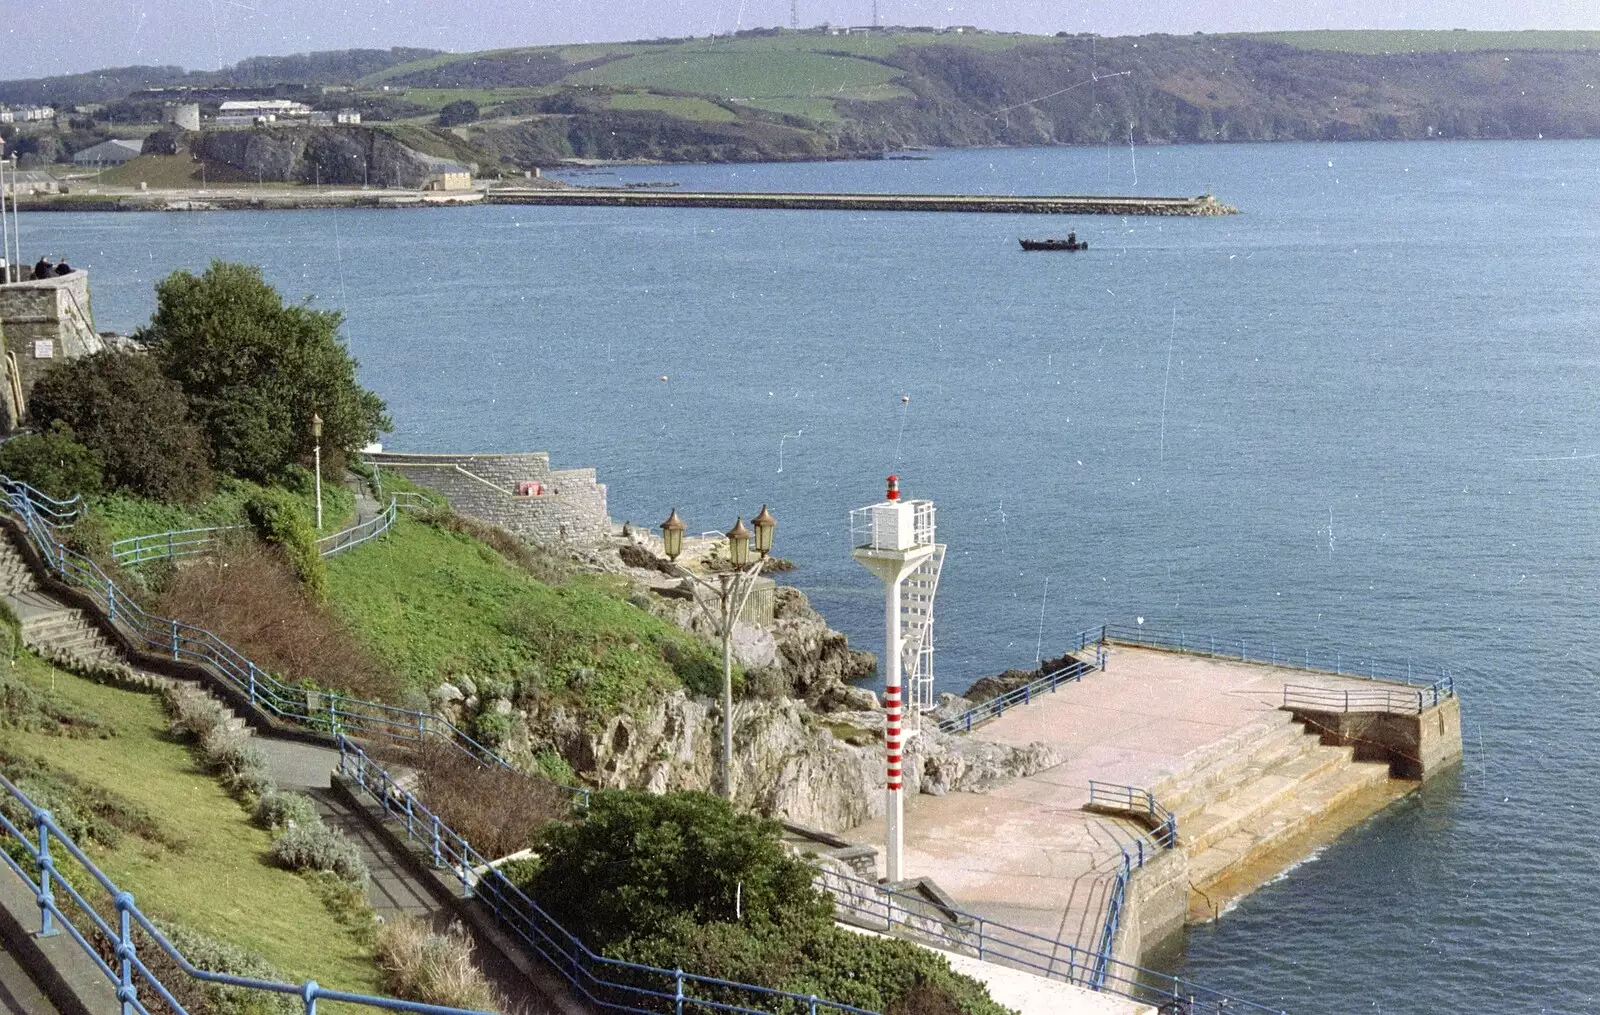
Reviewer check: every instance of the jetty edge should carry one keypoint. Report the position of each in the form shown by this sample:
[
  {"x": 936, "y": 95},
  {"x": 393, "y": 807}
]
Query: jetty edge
[{"x": 1205, "y": 205}]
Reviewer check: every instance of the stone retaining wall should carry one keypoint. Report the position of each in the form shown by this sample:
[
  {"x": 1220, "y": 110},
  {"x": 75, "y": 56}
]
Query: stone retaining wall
[
  {"x": 1415, "y": 746},
  {"x": 42, "y": 322},
  {"x": 563, "y": 505}
]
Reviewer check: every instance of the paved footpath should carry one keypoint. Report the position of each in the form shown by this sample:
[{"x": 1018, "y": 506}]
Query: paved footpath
[{"x": 394, "y": 890}]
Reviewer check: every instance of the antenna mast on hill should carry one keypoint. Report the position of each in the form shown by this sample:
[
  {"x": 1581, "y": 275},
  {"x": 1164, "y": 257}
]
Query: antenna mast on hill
[
  {"x": 874, "y": 13},
  {"x": 794, "y": 14}
]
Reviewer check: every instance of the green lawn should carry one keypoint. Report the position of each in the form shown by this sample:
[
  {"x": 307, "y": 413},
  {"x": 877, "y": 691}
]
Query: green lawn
[
  {"x": 1374, "y": 41},
  {"x": 217, "y": 880},
  {"x": 688, "y": 107},
  {"x": 748, "y": 73},
  {"x": 432, "y": 603}
]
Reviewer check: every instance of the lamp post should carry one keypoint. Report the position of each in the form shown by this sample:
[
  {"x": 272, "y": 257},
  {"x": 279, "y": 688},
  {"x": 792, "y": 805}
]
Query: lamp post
[
  {"x": 316, "y": 451},
  {"x": 732, "y": 589}
]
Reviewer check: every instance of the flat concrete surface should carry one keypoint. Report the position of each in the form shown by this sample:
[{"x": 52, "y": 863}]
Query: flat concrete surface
[
  {"x": 19, "y": 995},
  {"x": 1030, "y": 993},
  {"x": 1025, "y": 853}
]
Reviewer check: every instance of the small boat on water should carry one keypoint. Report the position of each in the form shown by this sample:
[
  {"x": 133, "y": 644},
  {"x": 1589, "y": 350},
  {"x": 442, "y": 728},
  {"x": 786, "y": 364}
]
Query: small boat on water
[{"x": 1070, "y": 243}]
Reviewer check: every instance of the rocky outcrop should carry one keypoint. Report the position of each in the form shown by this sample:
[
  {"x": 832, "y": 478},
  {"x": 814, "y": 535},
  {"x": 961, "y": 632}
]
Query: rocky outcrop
[
  {"x": 994, "y": 686},
  {"x": 341, "y": 156}
]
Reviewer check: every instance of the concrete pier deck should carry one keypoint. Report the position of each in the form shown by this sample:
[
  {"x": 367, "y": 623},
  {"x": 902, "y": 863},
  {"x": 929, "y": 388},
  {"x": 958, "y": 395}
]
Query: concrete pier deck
[
  {"x": 1206, "y": 734},
  {"x": 1204, "y": 205}
]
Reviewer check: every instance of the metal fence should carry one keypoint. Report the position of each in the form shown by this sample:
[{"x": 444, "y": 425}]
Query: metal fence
[
  {"x": 998, "y": 705},
  {"x": 77, "y": 898},
  {"x": 137, "y": 550},
  {"x": 608, "y": 983},
  {"x": 1404, "y": 701},
  {"x": 1435, "y": 680},
  {"x": 940, "y": 925},
  {"x": 1136, "y": 800}
]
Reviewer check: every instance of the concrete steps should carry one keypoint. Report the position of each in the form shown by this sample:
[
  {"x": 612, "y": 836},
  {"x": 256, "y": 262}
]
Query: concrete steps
[{"x": 1241, "y": 798}]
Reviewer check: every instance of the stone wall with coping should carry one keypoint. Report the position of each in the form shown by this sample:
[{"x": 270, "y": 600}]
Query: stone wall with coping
[
  {"x": 1415, "y": 746},
  {"x": 568, "y": 507},
  {"x": 42, "y": 322}
]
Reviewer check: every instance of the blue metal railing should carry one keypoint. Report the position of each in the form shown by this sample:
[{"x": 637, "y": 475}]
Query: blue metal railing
[
  {"x": 1403, "y": 701},
  {"x": 1163, "y": 829},
  {"x": 136, "y": 550},
  {"x": 1440, "y": 686},
  {"x": 609, "y": 983},
  {"x": 1162, "y": 823},
  {"x": 998, "y": 705},
  {"x": 63, "y": 907},
  {"x": 880, "y": 907},
  {"x": 323, "y": 711}
]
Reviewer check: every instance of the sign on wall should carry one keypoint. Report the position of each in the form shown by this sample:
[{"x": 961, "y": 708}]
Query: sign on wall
[{"x": 44, "y": 348}]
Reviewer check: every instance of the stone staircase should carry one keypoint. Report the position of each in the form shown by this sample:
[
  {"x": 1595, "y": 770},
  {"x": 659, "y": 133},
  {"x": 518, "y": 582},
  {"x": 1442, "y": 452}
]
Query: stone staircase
[{"x": 1241, "y": 798}]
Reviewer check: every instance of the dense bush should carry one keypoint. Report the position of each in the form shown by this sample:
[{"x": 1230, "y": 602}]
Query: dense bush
[
  {"x": 219, "y": 957},
  {"x": 456, "y": 113},
  {"x": 685, "y": 881},
  {"x": 193, "y": 716},
  {"x": 279, "y": 809},
  {"x": 255, "y": 371},
  {"x": 316, "y": 847},
  {"x": 240, "y": 765},
  {"x": 277, "y": 520},
  {"x": 419, "y": 965},
  {"x": 54, "y": 462},
  {"x": 121, "y": 405},
  {"x": 249, "y": 597},
  {"x": 498, "y": 810}
]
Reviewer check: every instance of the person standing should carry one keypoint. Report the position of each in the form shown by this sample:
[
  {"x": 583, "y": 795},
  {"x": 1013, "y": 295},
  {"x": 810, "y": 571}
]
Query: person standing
[{"x": 44, "y": 269}]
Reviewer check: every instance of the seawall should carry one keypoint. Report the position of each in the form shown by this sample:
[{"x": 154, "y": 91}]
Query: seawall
[{"x": 1202, "y": 206}]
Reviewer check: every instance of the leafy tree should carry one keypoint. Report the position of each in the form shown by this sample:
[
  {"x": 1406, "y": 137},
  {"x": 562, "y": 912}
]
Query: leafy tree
[
  {"x": 458, "y": 112},
  {"x": 121, "y": 405},
  {"x": 255, "y": 371},
  {"x": 53, "y": 462},
  {"x": 277, "y": 520}
]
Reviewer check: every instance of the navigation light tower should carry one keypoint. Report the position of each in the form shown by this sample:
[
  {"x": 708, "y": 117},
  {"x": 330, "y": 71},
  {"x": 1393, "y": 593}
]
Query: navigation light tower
[{"x": 894, "y": 540}]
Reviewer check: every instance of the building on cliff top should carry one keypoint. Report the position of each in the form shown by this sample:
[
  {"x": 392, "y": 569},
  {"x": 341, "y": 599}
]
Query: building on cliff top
[{"x": 109, "y": 153}]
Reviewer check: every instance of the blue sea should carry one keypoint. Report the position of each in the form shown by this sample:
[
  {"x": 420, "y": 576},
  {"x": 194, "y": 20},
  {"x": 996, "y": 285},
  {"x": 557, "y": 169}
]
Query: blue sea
[{"x": 1359, "y": 417}]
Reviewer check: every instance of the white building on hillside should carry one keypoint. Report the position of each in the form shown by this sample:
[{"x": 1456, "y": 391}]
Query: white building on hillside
[
  {"x": 234, "y": 113},
  {"x": 109, "y": 153}
]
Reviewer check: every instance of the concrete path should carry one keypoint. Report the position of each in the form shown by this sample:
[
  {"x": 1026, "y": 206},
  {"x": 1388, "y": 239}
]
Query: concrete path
[
  {"x": 1025, "y": 853},
  {"x": 19, "y": 995}
]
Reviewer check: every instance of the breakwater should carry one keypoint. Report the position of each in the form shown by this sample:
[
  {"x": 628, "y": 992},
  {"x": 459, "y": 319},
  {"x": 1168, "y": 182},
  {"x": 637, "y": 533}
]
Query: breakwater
[{"x": 1204, "y": 205}]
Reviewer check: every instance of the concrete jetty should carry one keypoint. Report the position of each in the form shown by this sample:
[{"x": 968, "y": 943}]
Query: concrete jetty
[
  {"x": 1254, "y": 786},
  {"x": 1204, "y": 205}
]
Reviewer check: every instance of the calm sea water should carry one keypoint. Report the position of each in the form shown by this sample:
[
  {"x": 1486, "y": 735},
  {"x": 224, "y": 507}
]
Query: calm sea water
[{"x": 1361, "y": 417}]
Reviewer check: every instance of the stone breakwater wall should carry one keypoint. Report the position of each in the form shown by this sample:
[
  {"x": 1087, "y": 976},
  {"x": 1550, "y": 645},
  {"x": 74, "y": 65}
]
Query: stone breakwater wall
[
  {"x": 42, "y": 322},
  {"x": 1203, "y": 206},
  {"x": 520, "y": 493}
]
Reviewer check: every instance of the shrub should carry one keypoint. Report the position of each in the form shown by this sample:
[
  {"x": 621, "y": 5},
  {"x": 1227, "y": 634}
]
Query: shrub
[
  {"x": 278, "y": 809},
  {"x": 255, "y": 370},
  {"x": 54, "y": 462},
  {"x": 419, "y": 965},
  {"x": 492, "y": 728},
  {"x": 456, "y": 113},
  {"x": 640, "y": 860},
  {"x": 240, "y": 765},
  {"x": 220, "y": 957},
  {"x": 316, "y": 847},
  {"x": 497, "y": 810},
  {"x": 193, "y": 715},
  {"x": 277, "y": 520},
  {"x": 120, "y": 404},
  {"x": 249, "y": 597}
]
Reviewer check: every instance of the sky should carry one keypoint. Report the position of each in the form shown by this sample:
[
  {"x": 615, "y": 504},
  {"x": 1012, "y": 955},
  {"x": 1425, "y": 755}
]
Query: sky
[{"x": 43, "y": 37}]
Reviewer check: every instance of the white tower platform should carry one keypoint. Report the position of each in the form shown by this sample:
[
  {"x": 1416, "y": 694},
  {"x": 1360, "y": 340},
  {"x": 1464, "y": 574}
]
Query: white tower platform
[{"x": 894, "y": 540}]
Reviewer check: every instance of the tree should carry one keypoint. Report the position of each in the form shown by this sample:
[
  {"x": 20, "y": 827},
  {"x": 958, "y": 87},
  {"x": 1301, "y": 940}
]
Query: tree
[
  {"x": 255, "y": 371},
  {"x": 121, "y": 405},
  {"x": 52, "y": 462},
  {"x": 458, "y": 112}
]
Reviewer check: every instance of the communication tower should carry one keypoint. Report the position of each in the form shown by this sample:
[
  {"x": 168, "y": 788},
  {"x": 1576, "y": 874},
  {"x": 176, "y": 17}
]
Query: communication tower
[
  {"x": 874, "y": 13},
  {"x": 794, "y": 14},
  {"x": 894, "y": 539}
]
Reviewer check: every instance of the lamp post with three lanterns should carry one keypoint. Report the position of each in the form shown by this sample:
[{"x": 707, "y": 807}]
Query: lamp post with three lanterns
[{"x": 732, "y": 587}]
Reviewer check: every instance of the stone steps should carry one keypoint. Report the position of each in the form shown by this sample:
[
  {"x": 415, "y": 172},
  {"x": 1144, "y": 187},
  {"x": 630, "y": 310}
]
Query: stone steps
[
  {"x": 1261, "y": 796},
  {"x": 1191, "y": 792},
  {"x": 1293, "y": 816}
]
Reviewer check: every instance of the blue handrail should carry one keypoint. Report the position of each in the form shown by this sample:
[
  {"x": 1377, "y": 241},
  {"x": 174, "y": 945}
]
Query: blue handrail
[
  {"x": 1441, "y": 687},
  {"x": 128, "y": 972},
  {"x": 609, "y": 983},
  {"x": 998, "y": 705},
  {"x": 323, "y": 711}
]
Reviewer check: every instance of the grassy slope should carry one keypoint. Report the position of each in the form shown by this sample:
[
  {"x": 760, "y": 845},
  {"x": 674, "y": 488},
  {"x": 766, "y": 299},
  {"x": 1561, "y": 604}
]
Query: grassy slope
[
  {"x": 688, "y": 107},
  {"x": 432, "y": 603},
  {"x": 134, "y": 516},
  {"x": 1375, "y": 41},
  {"x": 221, "y": 883}
]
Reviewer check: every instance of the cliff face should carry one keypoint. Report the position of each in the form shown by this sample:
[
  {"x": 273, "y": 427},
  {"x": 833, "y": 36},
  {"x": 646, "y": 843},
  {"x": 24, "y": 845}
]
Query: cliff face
[{"x": 337, "y": 156}]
